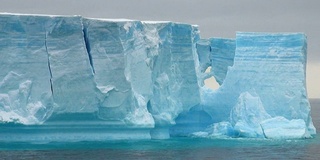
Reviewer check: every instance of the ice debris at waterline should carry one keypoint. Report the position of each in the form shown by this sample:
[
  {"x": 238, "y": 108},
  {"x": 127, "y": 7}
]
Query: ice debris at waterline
[{"x": 68, "y": 78}]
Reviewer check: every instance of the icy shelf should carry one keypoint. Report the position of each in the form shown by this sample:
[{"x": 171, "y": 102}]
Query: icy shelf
[{"x": 70, "y": 78}]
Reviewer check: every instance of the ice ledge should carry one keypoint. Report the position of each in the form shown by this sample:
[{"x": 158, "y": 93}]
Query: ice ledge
[{"x": 71, "y": 132}]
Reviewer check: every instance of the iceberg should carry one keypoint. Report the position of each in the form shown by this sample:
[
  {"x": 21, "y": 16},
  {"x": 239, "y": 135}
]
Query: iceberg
[
  {"x": 71, "y": 78},
  {"x": 266, "y": 80}
]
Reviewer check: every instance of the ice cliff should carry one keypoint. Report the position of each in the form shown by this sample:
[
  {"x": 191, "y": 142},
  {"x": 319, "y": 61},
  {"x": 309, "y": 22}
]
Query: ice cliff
[
  {"x": 263, "y": 86},
  {"x": 73, "y": 78}
]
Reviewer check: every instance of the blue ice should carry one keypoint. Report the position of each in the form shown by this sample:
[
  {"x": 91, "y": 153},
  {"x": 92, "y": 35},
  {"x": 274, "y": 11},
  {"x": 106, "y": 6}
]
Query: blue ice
[{"x": 97, "y": 79}]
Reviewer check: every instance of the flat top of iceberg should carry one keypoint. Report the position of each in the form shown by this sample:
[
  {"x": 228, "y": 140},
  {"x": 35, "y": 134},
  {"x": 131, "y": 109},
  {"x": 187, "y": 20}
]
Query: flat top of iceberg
[
  {"x": 270, "y": 34},
  {"x": 154, "y": 22},
  {"x": 101, "y": 19},
  {"x": 113, "y": 20},
  {"x": 40, "y": 15},
  {"x": 163, "y": 22}
]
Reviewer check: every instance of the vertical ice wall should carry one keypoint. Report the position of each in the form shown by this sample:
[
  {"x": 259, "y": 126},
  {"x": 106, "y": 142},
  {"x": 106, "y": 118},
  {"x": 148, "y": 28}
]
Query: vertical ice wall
[
  {"x": 221, "y": 56},
  {"x": 122, "y": 73},
  {"x": 216, "y": 53},
  {"x": 276, "y": 67},
  {"x": 139, "y": 73},
  {"x": 175, "y": 86},
  {"x": 144, "y": 70},
  {"x": 25, "y": 89},
  {"x": 147, "y": 75},
  {"x": 45, "y": 61},
  {"x": 268, "y": 76},
  {"x": 73, "y": 85}
]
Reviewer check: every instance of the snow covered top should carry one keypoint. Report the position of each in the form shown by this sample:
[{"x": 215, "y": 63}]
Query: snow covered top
[
  {"x": 112, "y": 20},
  {"x": 100, "y": 19},
  {"x": 40, "y": 15},
  {"x": 269, "y": 34}
]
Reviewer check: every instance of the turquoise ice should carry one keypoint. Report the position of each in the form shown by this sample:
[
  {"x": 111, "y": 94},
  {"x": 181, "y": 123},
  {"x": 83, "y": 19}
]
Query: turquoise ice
[
  {"x": 266, "y": 80},
  {"x": 75, "y": 78}
]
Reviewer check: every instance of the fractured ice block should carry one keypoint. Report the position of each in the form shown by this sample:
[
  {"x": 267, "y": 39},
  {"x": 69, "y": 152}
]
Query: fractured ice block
[
  {"x": 121, "y": 71},
  {"x": 217, "y": 53},
  {"x": 221, "y": 56},
  {"x": 175, "y": 86},
  {"x": 277, "y": 72},
  {"x": 247, "y": 115},
  {"x": 73, "y": 85},
  {"x": 122, "y": 79},
  {"x": 175, "y": 83},
  {"x": 25, "y": 89},
  {"x": 282, "y": 128},
  {"x": 152, "y": 70},
  {"x": 272, "y": 66}
]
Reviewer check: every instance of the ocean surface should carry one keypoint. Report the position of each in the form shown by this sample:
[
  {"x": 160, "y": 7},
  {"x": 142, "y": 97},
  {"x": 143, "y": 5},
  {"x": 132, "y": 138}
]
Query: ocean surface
[{"x": 174, "y": 148}]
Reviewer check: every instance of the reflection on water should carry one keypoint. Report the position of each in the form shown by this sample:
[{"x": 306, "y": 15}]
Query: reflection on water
[{"x": 177, "y": 148}]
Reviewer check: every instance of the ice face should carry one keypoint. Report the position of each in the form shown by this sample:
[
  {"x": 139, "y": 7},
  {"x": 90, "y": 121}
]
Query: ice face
[
  {"x": 25, "y": 89},
  {"x": 247, "y": 115},
  {"x": 267, "y": 80},
  {"x": 221, "y": 57},
  {"x": 175, "y": 86},
  {"x": 72, "y": 79},
  {"x": 283, "y": 58},
  {"x": 282, "y": 128},
  {"x": 153, "y": 75},
  {"x": 131, "y": 73},
  {"x": 123, "y": 79},
  {"x": 121, "y": 70}
]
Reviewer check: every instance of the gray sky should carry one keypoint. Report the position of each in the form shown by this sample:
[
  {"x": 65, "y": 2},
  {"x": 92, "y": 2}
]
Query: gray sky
[{"x": 216, "y": 18}]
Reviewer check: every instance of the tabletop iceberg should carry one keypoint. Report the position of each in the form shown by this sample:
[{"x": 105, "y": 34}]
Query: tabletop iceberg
[{"x": 74, "y": 78}]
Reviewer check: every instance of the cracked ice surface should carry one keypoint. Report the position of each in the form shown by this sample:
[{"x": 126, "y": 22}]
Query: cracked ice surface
[
  {"x": 121, "y": 79},
  {"x": 122, "y": 71},
  {"x": 25, "y": 89},
  {"x": 125, "y": 72},
  {"x": 152, "y": 69},
  {"x": 73, "y": 83}
]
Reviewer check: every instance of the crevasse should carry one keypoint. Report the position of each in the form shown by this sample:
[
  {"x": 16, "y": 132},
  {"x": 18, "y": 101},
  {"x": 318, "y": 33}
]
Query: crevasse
[{"x": 97, "y": 79}]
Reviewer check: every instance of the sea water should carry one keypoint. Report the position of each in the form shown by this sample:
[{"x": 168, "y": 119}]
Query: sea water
[{"x": 174, "y": 148}]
